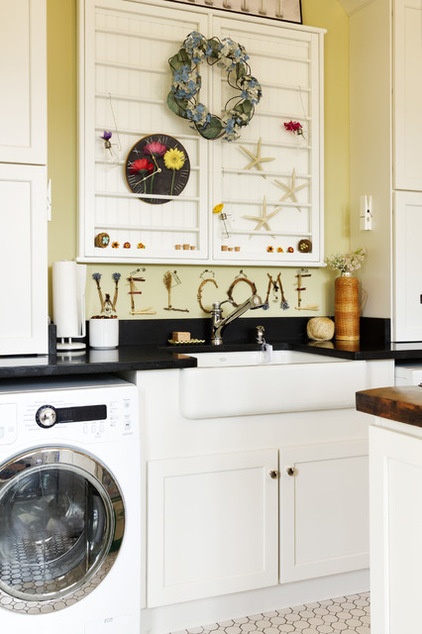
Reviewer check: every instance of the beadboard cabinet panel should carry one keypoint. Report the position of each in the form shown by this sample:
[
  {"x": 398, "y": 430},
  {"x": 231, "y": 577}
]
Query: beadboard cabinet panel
[{"x": 269, "y": 206}]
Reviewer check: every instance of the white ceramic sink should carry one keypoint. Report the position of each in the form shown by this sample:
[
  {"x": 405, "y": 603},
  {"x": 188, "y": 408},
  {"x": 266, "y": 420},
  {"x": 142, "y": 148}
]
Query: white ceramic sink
[
  {"x": 247, "y": 383},
  {"x": 256, "y": 357}
]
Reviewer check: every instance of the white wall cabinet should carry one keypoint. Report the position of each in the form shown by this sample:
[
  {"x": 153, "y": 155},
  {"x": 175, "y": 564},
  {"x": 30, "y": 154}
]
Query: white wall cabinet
[
  {"x": 23, "y": 121},
  {"x": 273, "y": 206},
  {"x": 212, "y": 525},
  {"x": 386, "y": 155},
  {"x": 23, "y": 324},
  {"x": 396, "y": 526},
  {"x": 23, "y": 149},
  {"x": 323, "y": 498}
]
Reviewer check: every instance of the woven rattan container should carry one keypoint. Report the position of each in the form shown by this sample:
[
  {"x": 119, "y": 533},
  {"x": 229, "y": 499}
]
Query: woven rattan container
[{"x": 346, "y": 308}]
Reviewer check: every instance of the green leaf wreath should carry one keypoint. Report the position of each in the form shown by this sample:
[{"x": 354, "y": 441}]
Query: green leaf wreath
[{"x": 183, "y": 99}]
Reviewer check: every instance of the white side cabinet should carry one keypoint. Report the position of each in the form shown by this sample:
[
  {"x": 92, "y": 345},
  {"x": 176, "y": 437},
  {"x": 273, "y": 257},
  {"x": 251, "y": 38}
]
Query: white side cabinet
[
  {"x": 386, "y": 156},
  {"x": 212, "y": 525},
  {"x": 23, "y": 151},
  {"x": 408, "y": 261},
  {"x": 396, "y": 528}
]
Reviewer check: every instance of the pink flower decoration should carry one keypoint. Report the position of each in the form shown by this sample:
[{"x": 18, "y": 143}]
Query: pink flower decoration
[{"x": 155, "y": 148}]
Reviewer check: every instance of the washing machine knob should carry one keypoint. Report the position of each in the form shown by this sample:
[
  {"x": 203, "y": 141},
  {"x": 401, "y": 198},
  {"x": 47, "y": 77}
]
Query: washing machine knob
[{"x": 46, "y": 416}]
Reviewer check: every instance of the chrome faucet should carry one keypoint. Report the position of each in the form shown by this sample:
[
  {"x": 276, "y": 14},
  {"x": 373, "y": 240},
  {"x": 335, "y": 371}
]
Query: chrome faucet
[{"x": 218, "y": 322}]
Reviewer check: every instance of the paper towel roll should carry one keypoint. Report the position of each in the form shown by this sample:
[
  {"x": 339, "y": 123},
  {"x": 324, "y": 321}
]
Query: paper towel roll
[{"x": 69, "y": 298}]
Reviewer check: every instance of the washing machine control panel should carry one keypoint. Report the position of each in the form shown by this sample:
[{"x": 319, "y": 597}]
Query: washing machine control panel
[
  {"x": 47, "y": 415},
  {"x": 95, "y": 415}
]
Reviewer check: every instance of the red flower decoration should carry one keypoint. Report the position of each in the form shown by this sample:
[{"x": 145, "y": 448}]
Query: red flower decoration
[
  {"x": 294, "y": 126},
  {"x": 141, "y": 165}
]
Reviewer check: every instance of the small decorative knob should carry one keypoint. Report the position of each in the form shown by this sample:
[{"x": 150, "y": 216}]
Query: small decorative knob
[
  {"x": 291, "y": 471},
  {"x": 274, "y": 474},
  {"x": 46, "y": 416}
]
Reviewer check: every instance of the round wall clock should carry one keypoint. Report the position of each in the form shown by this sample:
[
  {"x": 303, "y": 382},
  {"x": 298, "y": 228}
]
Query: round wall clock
[{"x": 157, "y": 164}]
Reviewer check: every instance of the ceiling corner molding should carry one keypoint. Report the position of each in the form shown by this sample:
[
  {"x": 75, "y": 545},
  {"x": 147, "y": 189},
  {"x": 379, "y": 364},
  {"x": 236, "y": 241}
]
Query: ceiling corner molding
[{"x": 350, "y": 6}]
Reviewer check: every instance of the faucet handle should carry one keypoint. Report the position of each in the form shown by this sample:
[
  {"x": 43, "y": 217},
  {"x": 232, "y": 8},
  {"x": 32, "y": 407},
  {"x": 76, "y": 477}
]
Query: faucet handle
[{"x": 260, "y": 334}]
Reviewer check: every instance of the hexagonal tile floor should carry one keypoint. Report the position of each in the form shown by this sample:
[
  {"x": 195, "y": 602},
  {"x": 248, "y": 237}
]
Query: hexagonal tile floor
[{"x": 333, "y": 616}]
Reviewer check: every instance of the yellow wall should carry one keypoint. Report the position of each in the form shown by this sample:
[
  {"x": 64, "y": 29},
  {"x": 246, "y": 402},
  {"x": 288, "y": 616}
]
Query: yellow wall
[{"x": 62, "y": 151}]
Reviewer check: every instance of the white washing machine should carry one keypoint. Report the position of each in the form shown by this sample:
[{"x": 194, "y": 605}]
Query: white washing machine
[{"x": 70, "y": 507}]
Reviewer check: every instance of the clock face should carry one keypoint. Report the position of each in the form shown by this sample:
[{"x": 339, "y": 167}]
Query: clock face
[{"x": 157, "y": 164}]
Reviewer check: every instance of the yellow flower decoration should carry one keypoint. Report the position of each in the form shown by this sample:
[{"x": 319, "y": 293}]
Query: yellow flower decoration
[
  {"x": 218, "y": 208},
  {"x": 174, "y": 159}
]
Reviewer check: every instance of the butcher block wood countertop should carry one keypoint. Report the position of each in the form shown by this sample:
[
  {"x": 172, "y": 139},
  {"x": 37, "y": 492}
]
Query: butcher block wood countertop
[{"x": 402, "y": 404}]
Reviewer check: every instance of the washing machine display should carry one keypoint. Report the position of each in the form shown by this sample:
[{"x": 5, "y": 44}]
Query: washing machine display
[{"x": 70, "y": 486}]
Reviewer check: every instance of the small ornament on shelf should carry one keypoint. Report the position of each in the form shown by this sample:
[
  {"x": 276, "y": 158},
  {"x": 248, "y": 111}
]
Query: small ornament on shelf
[
  {"x": 104, "y": 327},
  {"x": 295, "y": 127}
]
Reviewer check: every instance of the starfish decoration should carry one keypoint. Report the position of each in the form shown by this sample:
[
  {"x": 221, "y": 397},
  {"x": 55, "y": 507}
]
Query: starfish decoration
[
  {"x": 291, "y": 189},
  {"x": 263, "y": 219},
  {"x": 256, "y": 159}
]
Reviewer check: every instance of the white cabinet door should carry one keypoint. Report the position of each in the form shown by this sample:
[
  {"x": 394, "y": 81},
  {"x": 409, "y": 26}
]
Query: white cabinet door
[
  {"x": 273, "y": 217},
  {"x": 323, "y": 509},
  {"x": 408, "y": 266},
  {"x": 407, "y": 66},
  {"x": 23, "y": 260},
  {"x": 212, "y": 525},
  {"x": 396, "y": 529},
  {"x": 23, "y": 103}
]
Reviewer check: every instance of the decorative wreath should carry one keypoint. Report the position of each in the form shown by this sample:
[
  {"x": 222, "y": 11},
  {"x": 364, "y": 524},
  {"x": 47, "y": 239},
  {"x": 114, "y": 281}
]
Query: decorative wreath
[{"x": 183, "y": 99}]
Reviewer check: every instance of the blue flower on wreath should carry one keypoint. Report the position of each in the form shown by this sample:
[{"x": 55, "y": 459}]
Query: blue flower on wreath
[
  {"x": 186, "y": 90},
  {"x": 195, "y": 40},
  {"x": 182, "y": 75}
]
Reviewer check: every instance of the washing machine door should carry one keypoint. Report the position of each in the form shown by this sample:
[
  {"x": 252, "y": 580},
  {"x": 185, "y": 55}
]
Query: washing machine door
[{"x": 62, "y": 522}]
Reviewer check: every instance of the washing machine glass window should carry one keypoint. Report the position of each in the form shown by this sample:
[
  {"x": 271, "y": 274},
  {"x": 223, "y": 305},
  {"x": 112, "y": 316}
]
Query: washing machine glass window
[{"x": 62, "y": 521}]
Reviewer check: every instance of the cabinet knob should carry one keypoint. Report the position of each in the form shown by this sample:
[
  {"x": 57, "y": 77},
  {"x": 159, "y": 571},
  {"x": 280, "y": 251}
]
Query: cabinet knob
[
  {"x": 274, "y": 474},
  {"x": 291, "y": 471}
]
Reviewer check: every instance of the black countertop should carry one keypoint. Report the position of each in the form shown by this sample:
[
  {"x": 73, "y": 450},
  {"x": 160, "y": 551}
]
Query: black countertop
[{"x": 134, "y": 354}]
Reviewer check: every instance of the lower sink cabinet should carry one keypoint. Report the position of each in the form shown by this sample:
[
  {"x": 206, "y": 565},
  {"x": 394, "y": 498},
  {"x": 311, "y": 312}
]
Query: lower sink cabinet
[
  {"x": 212, "y": 525},
  {"x": 324, "y": 506},
  {"x": 225, "y": 523}
]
